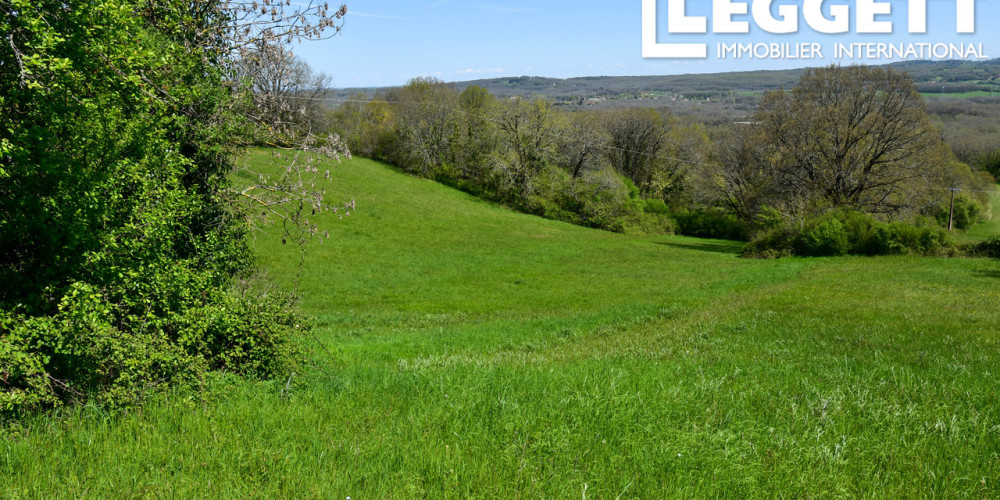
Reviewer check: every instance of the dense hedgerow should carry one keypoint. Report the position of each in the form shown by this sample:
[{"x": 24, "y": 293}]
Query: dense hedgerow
[
  {"x": 123, "y": 267},
  {"x": 844, "y": 232},
  {"x": 988, "y": 248},
  {"x": 711, "y": 224}
]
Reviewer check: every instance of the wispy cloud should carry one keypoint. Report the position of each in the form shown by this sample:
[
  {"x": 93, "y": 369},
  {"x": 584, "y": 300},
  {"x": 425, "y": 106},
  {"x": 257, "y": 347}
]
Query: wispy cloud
[
  {"x": 376, "y": 16},
  {"x": 438, "y": 4}
]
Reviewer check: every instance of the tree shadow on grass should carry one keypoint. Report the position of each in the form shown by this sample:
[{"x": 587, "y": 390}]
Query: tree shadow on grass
[
  {"x": 988, "y": 273},
  {"x": 708, "y": 246}
]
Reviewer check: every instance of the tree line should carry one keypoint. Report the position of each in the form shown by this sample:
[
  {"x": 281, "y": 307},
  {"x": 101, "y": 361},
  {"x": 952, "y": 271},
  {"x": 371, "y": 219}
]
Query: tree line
[
  {"x": 844, "y": 139},
  {"x": 613, "y": 170}
]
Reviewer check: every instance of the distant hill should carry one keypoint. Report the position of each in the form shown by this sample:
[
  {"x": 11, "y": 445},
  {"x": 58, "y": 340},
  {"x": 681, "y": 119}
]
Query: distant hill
[{"x": 948, "y": 77}]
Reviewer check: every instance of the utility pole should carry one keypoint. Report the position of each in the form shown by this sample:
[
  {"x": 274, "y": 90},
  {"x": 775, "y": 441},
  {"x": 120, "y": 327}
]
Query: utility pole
[{"x": 951, "y": 214}]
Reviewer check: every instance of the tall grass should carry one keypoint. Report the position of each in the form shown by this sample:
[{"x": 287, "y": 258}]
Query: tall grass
[{"x": 463, "y": 350}]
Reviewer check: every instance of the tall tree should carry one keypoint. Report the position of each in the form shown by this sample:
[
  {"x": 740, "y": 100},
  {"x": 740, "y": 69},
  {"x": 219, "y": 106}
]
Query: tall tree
[
  {"x": 582, "y": 143},
  {"x": 528, "y": 140},
  {"x": 426, "y": 121},
  {"x": 285, "y": 89},
  {"x": 637, "y": 139},
  {"x": 856, "y": 137},
  {"x": 478, "y": 136}
]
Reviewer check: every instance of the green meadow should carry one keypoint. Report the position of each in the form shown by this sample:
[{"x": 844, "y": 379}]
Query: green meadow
[
  {"x": 988, "y": 228},
  {"x": 462, "y": 350},
  {"x": 959, "y": 95}
]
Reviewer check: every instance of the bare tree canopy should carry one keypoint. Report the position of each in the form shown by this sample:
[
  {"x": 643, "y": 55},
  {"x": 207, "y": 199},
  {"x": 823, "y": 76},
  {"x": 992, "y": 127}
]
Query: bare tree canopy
[
  {"x": 856, "y": 137},
  {"x": 285, "y": 90}
]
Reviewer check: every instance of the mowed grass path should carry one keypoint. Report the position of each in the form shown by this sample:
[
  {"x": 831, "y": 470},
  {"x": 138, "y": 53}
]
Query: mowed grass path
[{"x": 472, "y": 352}]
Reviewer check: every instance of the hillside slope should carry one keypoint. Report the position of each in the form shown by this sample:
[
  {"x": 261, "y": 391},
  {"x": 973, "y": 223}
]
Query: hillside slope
[
  {"x": 950, "y": 77},
  {"x": 470, "y": 351}
]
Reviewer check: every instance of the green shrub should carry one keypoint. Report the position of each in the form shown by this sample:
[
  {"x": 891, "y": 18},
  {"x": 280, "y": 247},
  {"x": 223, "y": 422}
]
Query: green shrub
[
  {"x": 968, "y": 212},
  {"x": 656, "y": 206},
  {"x": 771, "y": 244},
  {"x": 849, "y": 232},
  {"x": 550, "y": 209},
  {"x": 988, "y": 248},
  {"x": 769, "y": 218},
  {"x": 710, "y": 224},
  {"x": 86, "y": 351},
  {"x": 120, "y": 248},
  {"x": 989, "y": 161},
  {"x": 901, "y": 238},
  {"x": 446, "y": 174},
  {"x": 827, "y": 238},
  {"x": 637, "y": 222}
]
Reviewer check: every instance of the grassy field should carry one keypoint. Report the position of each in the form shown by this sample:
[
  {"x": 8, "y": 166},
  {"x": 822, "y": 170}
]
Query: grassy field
[
  {"x": 958, "y": 95},
  {"x": 988, "y": 228},
  {"x": 472, "y": 352}
]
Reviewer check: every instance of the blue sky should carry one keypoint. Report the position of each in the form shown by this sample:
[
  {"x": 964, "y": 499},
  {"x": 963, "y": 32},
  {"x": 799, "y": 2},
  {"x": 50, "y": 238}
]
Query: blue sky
[{"x": 388, "y": 42}]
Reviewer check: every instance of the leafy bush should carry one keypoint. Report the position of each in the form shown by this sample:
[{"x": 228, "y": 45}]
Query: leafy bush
[
  {"x": 771, "y": 244},
  {"x": 710, "y": 224},
  {"x": 827, "y": 238},
  {"x": 901, "y": 238},
  {"x": 988, "y": 248},
  {"x": 550, "y": 209},
  {"x": 638, "y": 222},
  {"x": 84, "y": 352},
  {"x": 845, "y": 232},
  {"x": 123, "y": 268},
  {"x": 656, "y": 206},
  {"x": 968, "y": 212}
]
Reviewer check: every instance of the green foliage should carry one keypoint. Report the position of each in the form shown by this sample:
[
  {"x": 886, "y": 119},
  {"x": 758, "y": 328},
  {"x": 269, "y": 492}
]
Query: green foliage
[
  {"x": 655, "y": 206},
  {"x": 119, "y": 254},
  {"x": 843, "y": 232},
  {"x": 826, "y": 238},
  {"x": 901, "y": 238},
  {"x": 990, "y": 162},
  {"x": 774, "y": 243},
  {"x": 968, "y": 212},
  {"x": 78, "y": 353},
  {"x": 553, "y": 197},
  {"x": 526, "y": 154},
  {"x": 987, "y": 248},
  {"x": 711, "y": 224}
]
